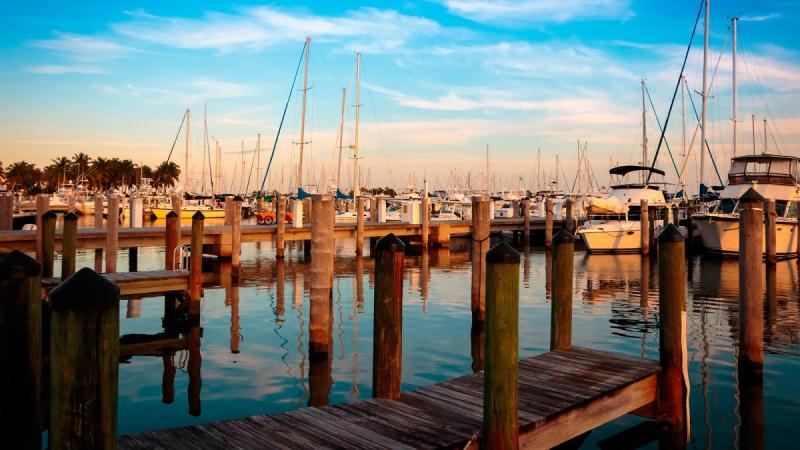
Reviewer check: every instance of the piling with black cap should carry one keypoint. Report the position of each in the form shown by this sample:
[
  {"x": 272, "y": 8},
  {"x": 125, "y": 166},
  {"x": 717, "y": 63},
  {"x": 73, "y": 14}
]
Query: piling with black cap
[
  {"x": 69, "y": 244},
  {"x": 20, "y": 351},
  {"x": 172, "y": 238},
  {"x": 48, "y": 234},
  {"x": 196, "y": 257},
  {"x": 280, "y": 220},
  {"x": 236, "y": 236},
  {"x": 112, "y": 233},
  {"x": 84, "y": 362},
  {"x": 360, "y": 225},
  {"x": 388, "y": 324},
  {"x": 673, "y": 390},
  {"x": 500, "y": 395},
  {"x": 561, "y": 310},
  {"x": 526, "y": 222},
  {"x": 549, "y": 216},
  {"x": 320, "y": 322},
  {"x": 751, "y": 300},
  {"x": 480, "y": 246}
]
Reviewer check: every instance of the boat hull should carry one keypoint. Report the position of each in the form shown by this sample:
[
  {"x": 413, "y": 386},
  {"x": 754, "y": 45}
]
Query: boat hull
[
  {"x": 623, "y": 237},
  {"x": 161, "y": 213},
  {"x": 721, "y": 235}
]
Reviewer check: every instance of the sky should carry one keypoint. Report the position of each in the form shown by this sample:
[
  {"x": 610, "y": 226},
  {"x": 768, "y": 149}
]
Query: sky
[{"x": 440, "y": 80}]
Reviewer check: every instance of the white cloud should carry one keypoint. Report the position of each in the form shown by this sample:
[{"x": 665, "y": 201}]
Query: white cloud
[
  {"x": 58, "y": 69},
  {"x": 83, "y": 48},
  {"x": 761, "y": 18},
  {"x": 196, "y": 90},
  {"x": 524, "y": 12},
  {"x": 254, "y": 28}
]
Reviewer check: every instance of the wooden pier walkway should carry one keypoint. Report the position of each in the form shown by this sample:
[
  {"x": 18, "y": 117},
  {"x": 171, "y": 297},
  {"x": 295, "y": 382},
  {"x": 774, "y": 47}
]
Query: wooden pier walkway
[
  {"x": 143, "y": 283},
  {"x": 562, "y": 394}
]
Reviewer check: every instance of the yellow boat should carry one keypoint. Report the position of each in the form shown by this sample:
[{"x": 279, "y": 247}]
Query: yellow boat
[{"x": 189, "y": 210}]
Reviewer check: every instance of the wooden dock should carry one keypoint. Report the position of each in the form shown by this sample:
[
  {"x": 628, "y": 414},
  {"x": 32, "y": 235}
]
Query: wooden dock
[
  {"x": 562, "y": 394},
  {"x": 143, "y": 283}
]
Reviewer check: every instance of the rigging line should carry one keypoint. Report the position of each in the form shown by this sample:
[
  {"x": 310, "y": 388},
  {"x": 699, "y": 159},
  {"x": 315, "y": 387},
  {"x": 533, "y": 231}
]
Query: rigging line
[
  {"x": 283, "y": 116},
  {"x": 675, "y": 92},
  {"x": 175, "y": 141},
  {"x": 658, "y": 121},
  {"x": 697, "y": 117},
  {"x": 250, "y": 172}
]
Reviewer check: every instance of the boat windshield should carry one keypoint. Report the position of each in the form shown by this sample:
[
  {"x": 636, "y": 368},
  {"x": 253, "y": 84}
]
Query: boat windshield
[
  {"x": 764, "y": 170},
  {"x": 726, "y": 206}
]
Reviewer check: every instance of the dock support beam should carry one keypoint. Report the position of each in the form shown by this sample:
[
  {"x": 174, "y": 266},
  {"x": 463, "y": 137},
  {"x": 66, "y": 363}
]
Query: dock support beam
[
  {"x": 322, "y": 252},
  {"x": 21, "y": 351},
  {"x": 388, "y": 329},
  {"x": 172, "y": 238},
  {"x": 112, "y": 233},
  {"x": 480, "y": 246},
  {"x": 280, "y": 220},
  {"x": 69, "y": 244},
  {"x": 236, "y": 236},
  {"x": 751, "y": 300},
  {"x": 84, "y": 362},
  {"x": 425, "y": 215},
  {"x": 500, "y": 391},
  {"x": 196, "y": 258},
  {"x": 561, "y": 310},
  {"x": 644, "y": 227},
  {"x": 770, "y": 231},
  {"x": 548, "y": 222},
  {"x": 674, "y": 390}
]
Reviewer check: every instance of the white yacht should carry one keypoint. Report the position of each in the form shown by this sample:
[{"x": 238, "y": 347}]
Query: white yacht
[
  {"x": 613, "y": 221},
  {"x": 774, "y": 177}
]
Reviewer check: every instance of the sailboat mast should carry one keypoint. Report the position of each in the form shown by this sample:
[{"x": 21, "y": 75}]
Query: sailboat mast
[
  {"x": 356, "y": 183},
  {"x": 488, "y": 177},
  {"x": 734, "y": 21},
  {"x": 258, "y": 157},
  {"x": 705, "y": 97},
  {"x": 765, "y": 136},
  {"x": 241, "y": 176},
  {"x": 205, "y": 151},
  {"x": 341, "y": 137},
  {"x": 683, "y": 131},
  {"x": 186, "y": 153},
  {"x": 753, "y": 127},
  {"x": 644, "y": 132},
  {"x": 303, "y": 116},
  {"x": 539, "y": 169}
]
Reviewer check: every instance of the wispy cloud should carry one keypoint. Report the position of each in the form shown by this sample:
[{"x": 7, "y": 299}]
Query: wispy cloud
[
  {"x": 84, "y": 48},
  {"x": 196, "y": 90},
  {"x": 254, "y": 28},
  {"x": 526, "y": 12},
  {"x": 762, "y": 18},
  {"x": 58, "y": 69}
]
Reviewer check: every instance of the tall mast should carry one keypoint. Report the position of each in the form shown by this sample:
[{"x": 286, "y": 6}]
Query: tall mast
[
  {"x": 556, "y": 174},
  {"x": 341, "y": 136},
  {"x": 241, "y": 176},
  {"x": 205, "y": 151},
  {"x": 705, "y": 97},
  {"x": 303, "y": 117},
  {"x": 356, "y": 184},
  {"x": 683, "y": 131},
  {"x": 644, "y": 131},
  {"x": 539, "y": 169},
  {"x": 258, "y": 157},
  {"x": 765, "y": 136},
  {"x": 186, "y": 153},
  {"x": 753, "y": 127},
  {"x": 734, "y": 21},
  {"x": 488, "y": 178}
]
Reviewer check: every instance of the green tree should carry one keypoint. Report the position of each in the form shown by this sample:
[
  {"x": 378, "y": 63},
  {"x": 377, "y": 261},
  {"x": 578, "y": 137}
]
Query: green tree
[
  {"x": 101, "y": 173},
  {"x": 166, "y": 174},
  {"x": 80, "y": 165},
  {"x": 22, "y": 175}
]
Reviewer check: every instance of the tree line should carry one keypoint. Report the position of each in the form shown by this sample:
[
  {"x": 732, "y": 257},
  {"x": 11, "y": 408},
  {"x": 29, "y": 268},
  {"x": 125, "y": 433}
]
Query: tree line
[{"x": 98, "y": 174}]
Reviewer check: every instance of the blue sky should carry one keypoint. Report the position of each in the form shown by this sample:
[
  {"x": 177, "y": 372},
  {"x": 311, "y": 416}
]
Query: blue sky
[{"x": 441, "y": 80}]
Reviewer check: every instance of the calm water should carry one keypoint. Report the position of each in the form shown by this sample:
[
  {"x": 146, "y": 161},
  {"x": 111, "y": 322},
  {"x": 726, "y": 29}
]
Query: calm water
[{"x": 255, "y": 338}]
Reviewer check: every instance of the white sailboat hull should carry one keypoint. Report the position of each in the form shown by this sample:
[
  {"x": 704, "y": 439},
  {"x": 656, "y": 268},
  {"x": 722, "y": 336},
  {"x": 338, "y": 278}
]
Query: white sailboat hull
[
  {"x": 619, "y": 236},
  {"x": 720, "y": 234}
]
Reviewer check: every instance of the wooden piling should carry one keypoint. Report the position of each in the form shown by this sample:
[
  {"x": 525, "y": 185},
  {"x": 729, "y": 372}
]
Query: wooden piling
[
  {"x": 112, "y": 233},
  {"x": 569, "y": 223},
  {"x": 515, "y": 209},
  {"x": 280, "y": 219},
  {"x": 480, "y": 246},
  {"x": 548, "y": 222},
  {"x": 69, "y": 244},
  {"x": 20, "y": 351},
  {"x": 196, "y": 257},
  {"x": 135, "y": 207},
  {"x": 561, "y": 309},
  {"x": 177, "y": 203},
  {"x": 665, "y": 218},
  {"x": 48, "y": 238},
  {"x": 676, "y": 216},
  {"x": 168, "y": 378},
  {"x": 98, "y": 223},
  {"x": 171, "y": 240},
  {"x": 526, "y": 222},
  {"x": 425, "y": 215},
  {"x": 6, "y": 212},
  {"x": 84, "y": 362},
  {"x": 651, "y": 230},
  {"x": 322, "y": 254},
  {"x": 388, "y": 323},
  {"x": 644, "y": 227},
  {"x": 500, "y": 394},
  {"x": 194, "y": 364},
  {"x": 373, "y": 209},
  {"x": 674, "y": 389},
  {"x": 751, "y": 301},
  {"x": 360, "y": 225},
  {"x": 770, "y": 231},
  {"x": 42, "y": 206},
  {"x": 236, "y": 236}
]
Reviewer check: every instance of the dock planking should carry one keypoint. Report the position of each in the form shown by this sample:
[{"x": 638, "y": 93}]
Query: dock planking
[
  {"x": 143, "y": 283},
  {"x": 562, "y": 394}
]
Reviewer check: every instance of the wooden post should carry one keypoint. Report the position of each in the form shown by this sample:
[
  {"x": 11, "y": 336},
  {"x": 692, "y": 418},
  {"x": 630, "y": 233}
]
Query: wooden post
[
  {"x": 177, "y": 203},
  {"x": 548, "y": 223},
  {"x": 388, "y": 325},
  {"x": 770, "y": 231},
  {"x": 665, "y": 216},
  {"x": 69, "y": 244},
  {"x": 228, "y": 210},
  {"x": 751, "y": 300},
  {"x": 168, "y": 378},
  {"x": 676, "y": 216},
  {"x": 48, "y": 237},
  {"x": 360, "y": 225},
  {"x": 500, "y": 394},
  {"x": 674, "y": 388},
  {"x": 322, "y": 248},
  {"x": 42, "y": 206},
  {"x": 84, "y": 362},
  {"x": 194, "y": 363},
  {"x": 644, "y": 227},
  {"x": 569, "y": 224},
  {"x": 480, "y": 245},
  {"x": 526, "y": 222},
  {"x": 135, "y": 210},
  {"x": 112, "y": 233},
  {"x": 561, "y": 309},
  {"x": 425, "y": 215},
  {"x": 515, "y": 209},
  {"x": 20, "y": 351},
  {"x": 652, "y": 229},
  {"x": 98, "y": 223},
  {"x": 236, "y": 236},
  {"x": 373, "y": 209},
  {"x": 6, "y": 212},
  {"x": 171, "y": 237},
  {"x": 196, "y": 257},
  {"x": 280, "y": 218}
]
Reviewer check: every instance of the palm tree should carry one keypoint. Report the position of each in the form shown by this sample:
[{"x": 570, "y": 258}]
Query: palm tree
[
  {"x": 23, "y": 175},
  {"x": 101, "y": 173},
  {"x": 56, "y": 172},
  {"x": 80, "y": 163},
  {"x": 166, "y": 174}
]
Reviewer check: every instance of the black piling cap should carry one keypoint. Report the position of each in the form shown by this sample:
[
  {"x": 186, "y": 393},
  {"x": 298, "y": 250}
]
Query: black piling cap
[
  {"x": 563, "y": 237},
  {"x": 84, "y": 290},
  {"x": 751, "y": 195},
  {"x": 49, "y": 215},
  {"x": 671, "y": 233},
  {"x": 502, "y": 253},
  {"x": 172, "y": 214},
  {"x": 238, "y": 198},
  {"x": 198, "y": 216},
  {"x": 390, "y": 243},
  {"x": 70, "y": 216},
  {"x": 18, "y": 265}
]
